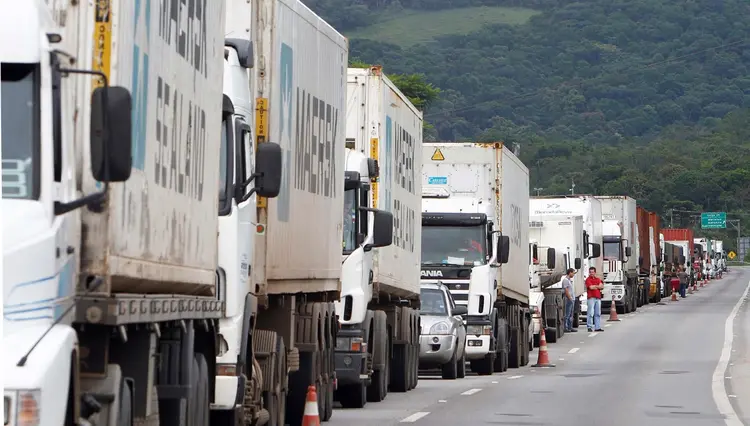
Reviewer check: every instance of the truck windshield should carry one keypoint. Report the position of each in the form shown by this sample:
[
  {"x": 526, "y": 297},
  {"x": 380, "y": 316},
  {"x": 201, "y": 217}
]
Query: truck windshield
[
  {"x": 432, "y": 302},
  {"x": 611, "y": 250},
  {"x": 454, "y": 245},
  {"x": 350, "y": 220},
  {"x": 20, "y": 130}
]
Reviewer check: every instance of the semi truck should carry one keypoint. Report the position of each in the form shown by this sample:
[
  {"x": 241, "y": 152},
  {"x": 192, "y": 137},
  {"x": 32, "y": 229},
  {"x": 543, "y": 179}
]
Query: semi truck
[
  {"x": 115, "y": 171},
  {"x": 620, "y": 251},
  {"x": 646, "y": 259},
  {"x": 654, "y": 229},
  {"x": 562, "y": 237},
  {"x": 378, "y": 344},
  {"x": 590, "y": 209},
  {"x": 475, "y": 240},
  {"x": 281, "y": 276}
]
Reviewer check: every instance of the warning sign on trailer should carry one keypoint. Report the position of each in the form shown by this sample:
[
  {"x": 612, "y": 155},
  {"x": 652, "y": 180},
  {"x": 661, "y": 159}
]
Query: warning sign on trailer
[{"x": 437, "y": 155}]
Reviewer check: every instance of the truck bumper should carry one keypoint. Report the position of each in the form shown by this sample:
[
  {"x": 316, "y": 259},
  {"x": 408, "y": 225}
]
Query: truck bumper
[
  {"x": 350, "y": 367},
  {"x": 613, "y": 290},
  {"x": 436, "y": 349},
  {"x": 477, "y": 346}
]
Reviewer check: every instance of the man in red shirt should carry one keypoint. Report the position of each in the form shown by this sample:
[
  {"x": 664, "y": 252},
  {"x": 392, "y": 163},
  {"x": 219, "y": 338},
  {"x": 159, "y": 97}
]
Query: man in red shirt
[{"x": 594, "y": 287}]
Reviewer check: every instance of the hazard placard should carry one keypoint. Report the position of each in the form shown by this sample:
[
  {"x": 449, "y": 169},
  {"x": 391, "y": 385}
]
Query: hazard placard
[
  {"x": 437, "y": 155},
  {"x": 732, "y": 255}
]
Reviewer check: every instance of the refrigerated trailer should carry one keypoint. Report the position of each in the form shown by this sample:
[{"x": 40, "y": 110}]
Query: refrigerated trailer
[
  {"x": 111, "y": 175},
  {"x": 281, "y": 256},
  {"x": 378, "y": 345},
  {"x": 475, "y": 240},
  {"x": 564, "y": 236}
]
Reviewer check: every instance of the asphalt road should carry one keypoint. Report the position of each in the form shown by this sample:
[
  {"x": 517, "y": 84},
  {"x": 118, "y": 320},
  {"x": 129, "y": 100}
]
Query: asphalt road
[{"x": 663, "y": 365}]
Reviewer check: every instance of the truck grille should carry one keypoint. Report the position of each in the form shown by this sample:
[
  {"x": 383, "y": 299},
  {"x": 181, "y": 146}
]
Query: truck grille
[{"x": 459, "y": 290}]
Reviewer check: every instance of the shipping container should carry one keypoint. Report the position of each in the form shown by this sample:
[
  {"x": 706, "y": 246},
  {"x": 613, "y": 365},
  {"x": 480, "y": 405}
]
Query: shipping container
[
  {"x": 680, "y": 234},
  {"x": 654, "y": 223},
  {"x": 157, "y": 233},
  {"x": 479, "y": 171},
  {"x": 306, "y": 84},
  {"x": 382, "y": 123},
  {"x": 644, "y": 241}
]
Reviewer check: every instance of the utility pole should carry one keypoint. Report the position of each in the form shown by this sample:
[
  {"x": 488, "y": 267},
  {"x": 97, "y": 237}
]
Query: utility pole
[
  {"x": 572, "y": 187},
  {"x": 538, "y": 191}
]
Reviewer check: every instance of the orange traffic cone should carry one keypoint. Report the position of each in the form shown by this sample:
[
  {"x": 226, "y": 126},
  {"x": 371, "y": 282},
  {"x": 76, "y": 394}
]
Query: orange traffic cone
[
  {"x": 543, "y": 360},
  {"x": 674, "y": 296},
  {"x": 311, "y": 416},
  {"x": 613, "y": 311}
]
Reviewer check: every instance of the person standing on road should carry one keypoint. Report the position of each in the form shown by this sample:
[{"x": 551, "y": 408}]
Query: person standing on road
[
  {"x": 569, "y": 296},
  {"x": 594, "y": 286},
  {"x": 683, "y": 276}
]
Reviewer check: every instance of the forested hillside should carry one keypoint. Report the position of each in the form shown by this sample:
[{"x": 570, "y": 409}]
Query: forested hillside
[{"x": 638, "y": 97}]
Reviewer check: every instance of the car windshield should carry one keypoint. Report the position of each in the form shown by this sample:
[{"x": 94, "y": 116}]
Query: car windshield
[
  {"x": 454, "y": 245},
  {"x": 20, "y": 130},
  {"x": 350, "y": 220},
  {"x": 611, "y": 250},
  {"x": 432, "y": 302}
]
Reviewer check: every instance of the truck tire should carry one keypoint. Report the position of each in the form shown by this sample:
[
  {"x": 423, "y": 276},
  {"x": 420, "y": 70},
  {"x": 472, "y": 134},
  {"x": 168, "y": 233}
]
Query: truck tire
[
  {"x": 525, "y": 343},
  {"x": 400, "y": 368},
  {"x": 352, "y": 396},
  {"x": 378, "y": 388},
  {"x": 450, "y": 368},
  {"x": 514, "y": 357},
  {"x": 199, "y": 394},
  {"x": 501, "y": 346},
  {"x": 461, "y": 366},
  {"x": 550, "y": 334},
  {"x": 484, "y": 366}
]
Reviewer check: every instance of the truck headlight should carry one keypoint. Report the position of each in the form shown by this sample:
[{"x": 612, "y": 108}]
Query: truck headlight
[
  {"x": 21, "y": 407},
  {"x": 440, "y": 328},
  {"x": 479, "y": 330}
]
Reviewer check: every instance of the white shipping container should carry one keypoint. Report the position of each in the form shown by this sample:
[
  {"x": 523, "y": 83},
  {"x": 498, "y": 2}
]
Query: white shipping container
[
  {"x": 482, "y": 171},
  {"x": 623, "y": 210},
  {"x": 586, "y": 206},
  {"x": 305, "y": 80},
  {"x": 158, "y": 230},
  {"x": 565, "y": 235},
  {"x": 384, "y": 125}
]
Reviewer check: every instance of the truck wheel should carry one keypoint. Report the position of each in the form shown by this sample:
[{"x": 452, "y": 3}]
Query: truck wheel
[
  {"x": 450, "y": 369},
  {"x": 537, "y": 338},
  {"x": 550, "y": 334},
  {"x": 378, "y": 385},
  {"x": 280, "y": 387},
  {"x": 501, "y": 346},
  {"x": 514, "y": 357},
  {"x": 399, "y": 368},
  {"x": 461, "y": 366},
  {"x": 125, "y": 410},
  {"x": 199, "y": 394},
  {"x": 484, "y": 366},
  {"x": 352, "y": 396},
  {"x": 525, "y": 344},
  {"x": 414, "y": 365}
]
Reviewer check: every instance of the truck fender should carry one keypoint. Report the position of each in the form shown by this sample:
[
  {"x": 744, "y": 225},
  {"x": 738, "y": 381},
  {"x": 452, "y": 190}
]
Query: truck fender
[{"x": 248, "y": 319}]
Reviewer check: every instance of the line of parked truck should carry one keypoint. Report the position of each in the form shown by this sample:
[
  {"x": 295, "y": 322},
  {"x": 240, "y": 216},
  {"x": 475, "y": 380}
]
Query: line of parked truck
[{"x": 174, "y": 248}]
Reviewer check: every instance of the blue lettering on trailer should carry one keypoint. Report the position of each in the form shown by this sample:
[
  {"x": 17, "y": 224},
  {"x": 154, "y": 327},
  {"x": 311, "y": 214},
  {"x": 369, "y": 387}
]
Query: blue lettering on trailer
[
  {"x": 285, "y": 129},
  {"x": 437, "y": 180},
  {"x": 387, "y": 180},
  {"x": 186, "y": 21},
  {"x": 139, "y": 82},
  {"x": 317, "y": 130}
]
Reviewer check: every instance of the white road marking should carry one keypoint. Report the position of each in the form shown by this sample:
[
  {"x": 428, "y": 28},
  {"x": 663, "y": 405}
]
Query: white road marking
[
  {"x": 559, "y": 359},
  {"x": 718, "y": 386},
  {"x": 514, "y": 377},
  {"x": 574, "y": 350},
  {"x": 495, "y": 381},
  {"x": 607, "y": 325},
  {"x": 414, "y": 417},
  {"x": 593, "y": 334},
  {"x": 471, "y": 391},
  {"x": 442, "y": 400}
]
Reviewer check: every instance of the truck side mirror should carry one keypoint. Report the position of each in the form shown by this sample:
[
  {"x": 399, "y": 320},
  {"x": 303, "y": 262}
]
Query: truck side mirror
[
  {"x": 535, "y": 251},
  {"x": 110, "y": 144},
  {"x": 628, "y": 251},
  {"x": 503, "y": 248},
  {"x": 460, "y": 310},
  {"x": 268, "y": 169},
  {"x": 578, "y": 263},
  {"x": 596, "y": 250},
  {"x": 640, "y": 260},
  {"x": 551, "y": 258},
  {"x": 382, "y": 228}
]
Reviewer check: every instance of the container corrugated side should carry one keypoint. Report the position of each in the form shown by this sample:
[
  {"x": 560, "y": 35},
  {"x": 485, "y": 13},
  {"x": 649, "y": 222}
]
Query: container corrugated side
[
  {"x": 644, "y": 247},
  {"x": 399, "y": 190},
  {"x": 158, "y": 230},
  {"x": 514, "y": 193},
  {"x": 654, "y": 222},
  {"x": 307, "y": 71}
]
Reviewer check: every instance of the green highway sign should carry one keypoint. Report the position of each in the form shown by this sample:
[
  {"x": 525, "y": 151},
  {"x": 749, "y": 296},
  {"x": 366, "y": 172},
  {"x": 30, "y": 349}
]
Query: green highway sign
[{"x": 714, "y": 220}]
